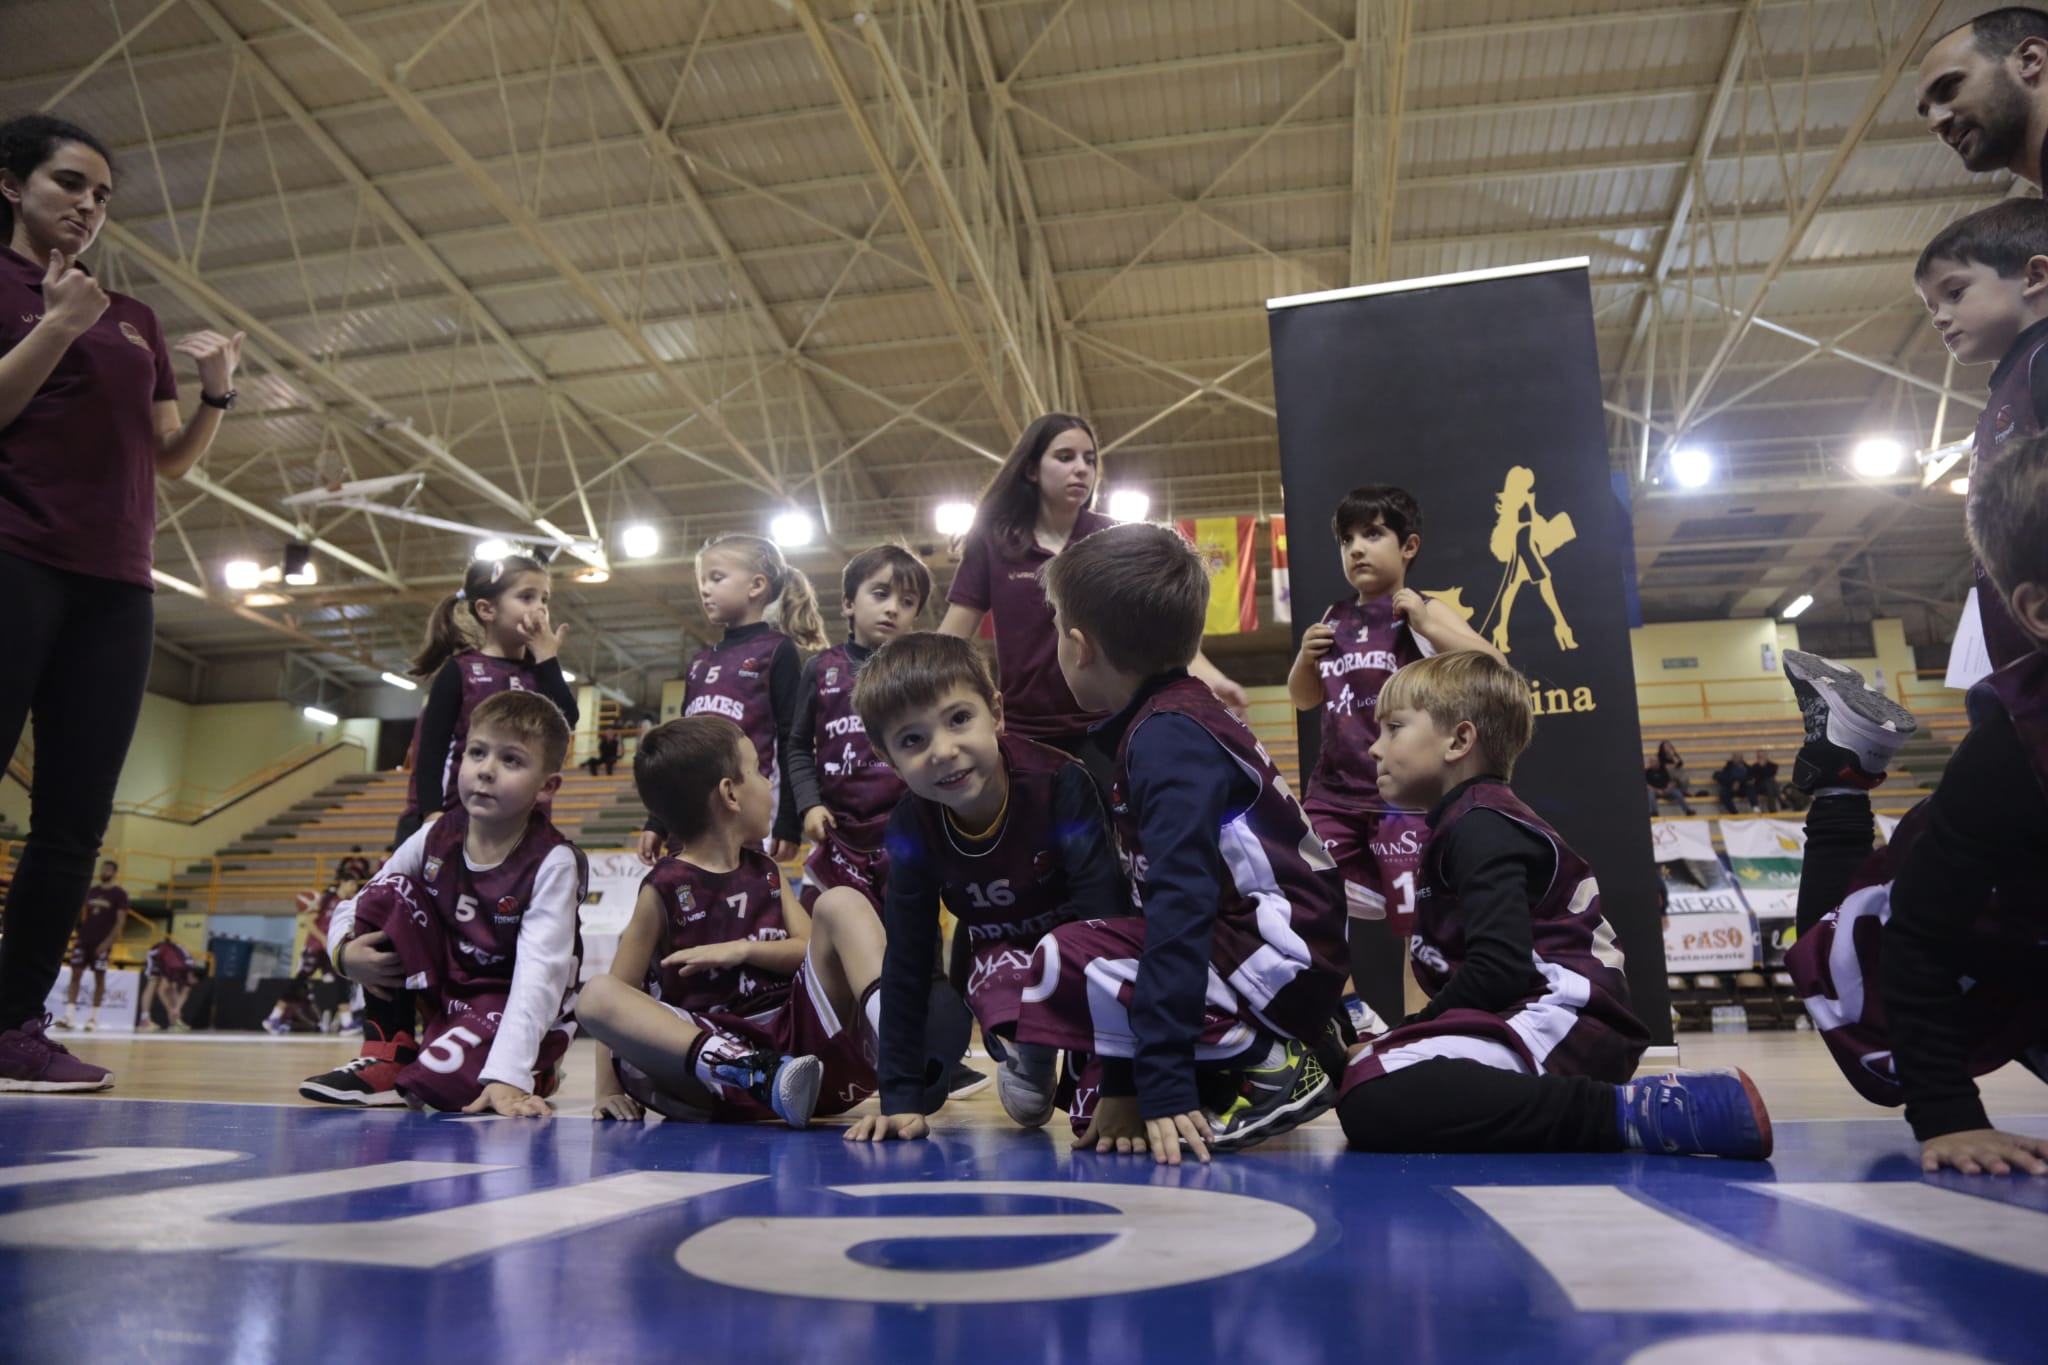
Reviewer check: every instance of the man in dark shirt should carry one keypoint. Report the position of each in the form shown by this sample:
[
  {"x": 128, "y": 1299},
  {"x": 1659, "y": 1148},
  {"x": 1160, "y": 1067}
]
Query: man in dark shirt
[{"x": 1951, "y": 986}]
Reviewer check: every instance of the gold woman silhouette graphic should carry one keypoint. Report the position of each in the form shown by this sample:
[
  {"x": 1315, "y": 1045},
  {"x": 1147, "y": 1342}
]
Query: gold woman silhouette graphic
[{"x": 1522, "y": 538}]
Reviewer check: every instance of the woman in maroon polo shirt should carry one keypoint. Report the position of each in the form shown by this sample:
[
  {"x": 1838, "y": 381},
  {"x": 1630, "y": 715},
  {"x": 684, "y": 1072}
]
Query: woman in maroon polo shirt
[
  {"x": 1041, "y": 501},
  {"x": 88, "y": 423}
]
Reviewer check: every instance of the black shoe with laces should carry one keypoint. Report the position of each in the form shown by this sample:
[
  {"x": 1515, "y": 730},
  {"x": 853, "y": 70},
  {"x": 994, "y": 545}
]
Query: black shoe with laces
[{"x": 1851, "y": 732}]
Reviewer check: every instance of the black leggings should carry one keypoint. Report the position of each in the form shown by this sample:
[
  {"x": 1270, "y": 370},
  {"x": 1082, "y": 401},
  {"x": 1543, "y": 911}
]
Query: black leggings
[
  {"x": 78, "y": 657},
  {"x": 1453, "y": 1105},
  {"x": 1839, "y": 834}
]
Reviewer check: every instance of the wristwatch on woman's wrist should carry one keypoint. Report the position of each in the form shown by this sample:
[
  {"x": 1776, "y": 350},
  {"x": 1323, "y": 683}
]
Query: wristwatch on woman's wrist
[{"x": 224, "y": 402}]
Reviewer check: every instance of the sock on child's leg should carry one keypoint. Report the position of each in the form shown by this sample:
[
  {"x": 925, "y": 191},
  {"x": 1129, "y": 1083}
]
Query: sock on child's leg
[
  {"x": 711, "y": 1051},
  {"x": 388, "y": 1021}
]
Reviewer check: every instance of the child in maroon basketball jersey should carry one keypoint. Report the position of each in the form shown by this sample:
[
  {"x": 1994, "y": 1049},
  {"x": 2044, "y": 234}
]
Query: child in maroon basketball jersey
[
  {"x": 105, "y": 906},
  {"x": 474, "y": 921},
  {"x": 1009, "y": 833},
  {"x": 843, "y": 789},
  {"x": 492, "y": 635},
  {"x": 1923, "y": 966},
  {"x": 1234, "y": 969},
  {"x": 757, "y": 1010},
  {"x": 1527, "y": 1043},
  {"x": 751, "y": 675},
  {"x": 1345, "y": 659}
]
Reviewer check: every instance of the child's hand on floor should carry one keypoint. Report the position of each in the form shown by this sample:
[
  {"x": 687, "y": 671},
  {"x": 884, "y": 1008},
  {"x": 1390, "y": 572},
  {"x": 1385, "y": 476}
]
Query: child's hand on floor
[
  {"x": 1114, "y": 1127},
  {"x": 509, "y": 1101},
  {"x": 1166, "y": 1136},
  {"x": 1985, "y": 1151},
  {"x": 882, "y": 1127},
  {"x": 617, "y": 1105}
]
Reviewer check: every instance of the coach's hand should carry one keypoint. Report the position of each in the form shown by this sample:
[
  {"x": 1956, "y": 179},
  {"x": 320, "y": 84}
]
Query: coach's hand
[
  {"x": 1985, "y": 1151},
  {"x": 369, "y": 962},
  {"x": 882, "y": 1127},
  {"x": 509, "y": 1101}
]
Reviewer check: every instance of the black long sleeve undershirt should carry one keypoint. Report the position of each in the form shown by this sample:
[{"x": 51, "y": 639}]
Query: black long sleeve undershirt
[
  {"x": 910, "y": 918},
  {"x": 1497, "y": 870},
  {"x": 444, "y": 704},
  {"x": 1984, "y": 829}
]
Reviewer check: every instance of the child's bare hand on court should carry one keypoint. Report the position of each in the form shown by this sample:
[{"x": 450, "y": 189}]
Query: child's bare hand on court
[
  {"x": 1116, "y": 1126},
  {"x": 1166, "y": 1136},
  {"x": 882, "y": 1127},
  {"x": 1985, "y": 1151},
  {"x": 617, "y": 1105},
  {"x": 509, "y": 1101}
]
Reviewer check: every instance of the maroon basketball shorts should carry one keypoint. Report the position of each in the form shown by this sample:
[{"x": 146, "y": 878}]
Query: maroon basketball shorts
[
  {"x": 804, "y": 1025},
  {"x": 96, "y": 958},
  {"x": 1082, "y": 980},
  {"x": 1379, "y": 855},
  {"x": 835, "y": 863},
  {"x": 1836, "y": 968},
  {"x": 455, "y": 1046}
]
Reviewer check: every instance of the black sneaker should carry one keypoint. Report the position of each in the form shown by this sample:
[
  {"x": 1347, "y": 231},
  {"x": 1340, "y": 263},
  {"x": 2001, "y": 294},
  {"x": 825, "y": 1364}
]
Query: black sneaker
[
  {"x": 963, "y": 1080},
  {"x": 787, "y": 1085},
  {"x": 1851, "y": 731},
  {"x": 1286, "y": 1090},
  {"x": 366, "y": 1082}
]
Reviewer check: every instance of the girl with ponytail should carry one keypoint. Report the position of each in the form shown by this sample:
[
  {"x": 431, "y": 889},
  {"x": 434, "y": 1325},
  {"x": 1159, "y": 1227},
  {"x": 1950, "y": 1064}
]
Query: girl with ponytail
[
  {"x": 751, "y": 676},
  {"x": 492, "y": 635}
]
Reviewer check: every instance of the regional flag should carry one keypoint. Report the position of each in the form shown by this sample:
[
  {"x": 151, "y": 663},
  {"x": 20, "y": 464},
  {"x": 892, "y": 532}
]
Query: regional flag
[
  {"x": 1283, "y": 591},
  {"x": 1226, "y": 547}
]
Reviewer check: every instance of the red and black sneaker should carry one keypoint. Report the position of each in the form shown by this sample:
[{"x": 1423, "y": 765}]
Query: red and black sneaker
[{"x": 369, "y": 1081}]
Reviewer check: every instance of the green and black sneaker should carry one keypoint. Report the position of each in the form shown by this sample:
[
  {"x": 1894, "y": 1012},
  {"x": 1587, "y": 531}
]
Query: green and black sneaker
[{"x": 1279, "y": 1094}]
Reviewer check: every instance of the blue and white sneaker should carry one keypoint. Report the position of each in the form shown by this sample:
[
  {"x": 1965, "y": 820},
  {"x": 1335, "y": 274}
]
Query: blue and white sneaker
[
  {"x": 1695, "y": 1113},
  {"x": 787, "y": 1085},
  {"x": 1365, "y": 1020},
  {"x": 1851, "y": 731}
]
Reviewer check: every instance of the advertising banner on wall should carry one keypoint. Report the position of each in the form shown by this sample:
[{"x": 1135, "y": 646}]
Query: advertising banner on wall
[{"x": 1480, "y": 395}]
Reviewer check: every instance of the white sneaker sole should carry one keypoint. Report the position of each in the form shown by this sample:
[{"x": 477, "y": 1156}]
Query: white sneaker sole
[
  {"x": 373, "y": 1099},
  {"x": 53, "y": 1087},
  {"x": 796, "y": 1091}
]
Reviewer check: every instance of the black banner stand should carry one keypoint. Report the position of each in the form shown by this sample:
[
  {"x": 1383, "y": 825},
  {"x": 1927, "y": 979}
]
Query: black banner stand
[{"x": 1480, "y": 394}]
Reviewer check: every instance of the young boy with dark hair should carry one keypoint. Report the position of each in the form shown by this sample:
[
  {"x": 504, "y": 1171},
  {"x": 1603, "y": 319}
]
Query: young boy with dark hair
[
  {"x": 1235, "y": 967},
  {"x": 473, "y": 923},
  {"x": 1010, "y": 834},
  {"x": 1924, "y": 965},
  {"x": 843, "y": 791},
  {"x": 1345, "y": 659},
  {"x": 758, "y": 1009},
  {"x": 1984, "y": 277},
  {"x": 1527, "y": 1043}
]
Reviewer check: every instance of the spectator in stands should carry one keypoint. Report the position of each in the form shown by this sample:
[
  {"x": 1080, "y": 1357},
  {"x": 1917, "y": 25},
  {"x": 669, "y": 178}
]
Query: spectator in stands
[
  {"x": 607, "y": 755},
  {"x": 354, "y": 868},
  {"x": 1731, "y": 779},
  {"x": 1667, "y": 779},
  {"x": 1763, "y": 782}
]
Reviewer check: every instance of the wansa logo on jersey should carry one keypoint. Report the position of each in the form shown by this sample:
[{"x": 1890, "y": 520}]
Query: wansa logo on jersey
[
  {"x": 2002, "y": 424},
  {"x": 432, "y": 869},
  {"x": 1408, "y": 844},
  {"x": 750, "y": 668},
  {"x": 508, "y": 909}
]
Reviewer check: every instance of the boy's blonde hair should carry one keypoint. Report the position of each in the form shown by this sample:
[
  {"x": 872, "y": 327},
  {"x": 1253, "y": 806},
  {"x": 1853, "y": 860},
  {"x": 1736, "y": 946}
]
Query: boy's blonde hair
[
  {"x": 1468, "y": 685},
  {"x": 531, "y": 719}
]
